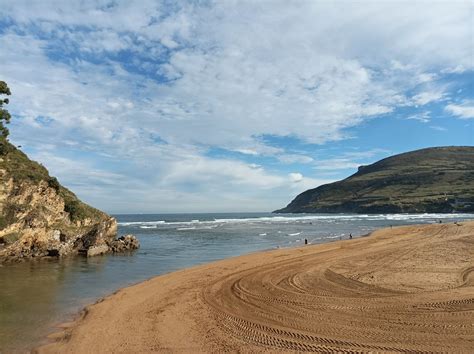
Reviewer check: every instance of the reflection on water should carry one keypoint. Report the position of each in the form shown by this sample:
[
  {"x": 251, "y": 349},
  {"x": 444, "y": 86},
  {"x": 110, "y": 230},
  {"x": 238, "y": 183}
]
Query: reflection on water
[
  {"x": 37, "y": 295},
  {"x": 34, "y": 295}
]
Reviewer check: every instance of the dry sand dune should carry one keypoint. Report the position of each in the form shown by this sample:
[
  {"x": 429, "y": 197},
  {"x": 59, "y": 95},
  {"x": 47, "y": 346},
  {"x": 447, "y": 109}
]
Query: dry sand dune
[{"x": 399, "y": 290}]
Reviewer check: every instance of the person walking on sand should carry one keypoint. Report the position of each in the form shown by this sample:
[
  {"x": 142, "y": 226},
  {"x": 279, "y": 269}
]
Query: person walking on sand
[{"x": 350, "y": 236}]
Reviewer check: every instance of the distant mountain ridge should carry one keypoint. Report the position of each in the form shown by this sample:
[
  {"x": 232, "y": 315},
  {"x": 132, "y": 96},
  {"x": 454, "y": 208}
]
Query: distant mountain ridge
[{"x": 432, "y": 180}]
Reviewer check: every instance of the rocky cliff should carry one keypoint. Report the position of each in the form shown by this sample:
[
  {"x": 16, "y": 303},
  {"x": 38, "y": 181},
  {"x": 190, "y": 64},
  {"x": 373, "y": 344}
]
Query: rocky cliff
[
  {"x": 41, "y": 218},
  {"x": 438, "y": 180}
]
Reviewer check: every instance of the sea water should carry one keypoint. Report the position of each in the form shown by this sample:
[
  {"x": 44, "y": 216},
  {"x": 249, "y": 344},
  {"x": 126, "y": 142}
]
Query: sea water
[{"x": 36, "y": 296}]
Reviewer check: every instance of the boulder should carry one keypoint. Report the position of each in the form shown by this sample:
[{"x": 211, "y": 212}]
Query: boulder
[
  {"x": 97, "y": 250},
  {"x": 124, "y": 243}
]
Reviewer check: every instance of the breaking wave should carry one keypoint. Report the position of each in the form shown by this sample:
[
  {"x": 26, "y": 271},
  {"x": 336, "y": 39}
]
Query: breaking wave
[{"x": 194, "y": 223}]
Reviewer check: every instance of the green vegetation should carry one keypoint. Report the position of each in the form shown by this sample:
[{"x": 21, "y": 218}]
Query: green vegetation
[
  {"x": 4, "y": 114},
  {"x": 3, "y": 222},
  {"x": 428, "y": 180},
  {"x": 9, "y": 238},
  {"x": 78, "y": 210},
  {"x": 10, "y": 211},
  {"x": 21, "y": 169}
]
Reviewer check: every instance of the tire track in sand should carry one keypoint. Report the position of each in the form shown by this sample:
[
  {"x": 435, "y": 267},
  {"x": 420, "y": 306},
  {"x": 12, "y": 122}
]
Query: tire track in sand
[{"x": 315, "y": 302}]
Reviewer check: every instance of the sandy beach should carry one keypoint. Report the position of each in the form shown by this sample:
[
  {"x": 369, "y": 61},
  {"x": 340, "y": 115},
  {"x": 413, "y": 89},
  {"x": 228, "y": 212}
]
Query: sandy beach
[{"x": 402, "y": 289}]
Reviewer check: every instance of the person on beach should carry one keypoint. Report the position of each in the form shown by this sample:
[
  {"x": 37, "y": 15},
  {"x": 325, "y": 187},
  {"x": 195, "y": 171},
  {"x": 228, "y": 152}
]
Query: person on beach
[
  {"x": 305, "y": 241},
  {"x": 350, "y": 236}
]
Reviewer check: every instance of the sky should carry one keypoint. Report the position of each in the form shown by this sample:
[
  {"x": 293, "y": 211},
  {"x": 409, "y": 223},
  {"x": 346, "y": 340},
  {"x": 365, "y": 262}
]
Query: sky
[{"x": 219, "y": 106}]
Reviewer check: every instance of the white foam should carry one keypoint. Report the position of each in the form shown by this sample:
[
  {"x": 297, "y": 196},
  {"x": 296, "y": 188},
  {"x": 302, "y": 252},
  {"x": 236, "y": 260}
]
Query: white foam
[
  {"x": 300, "y": 218},
  {"x": 132, "y": 223},
  {"x": 331, "y": 237},
  {"x": 295, "y": 234}
]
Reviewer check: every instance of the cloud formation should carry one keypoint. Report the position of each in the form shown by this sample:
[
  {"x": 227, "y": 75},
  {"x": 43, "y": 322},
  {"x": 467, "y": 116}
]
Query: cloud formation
[
  {"x": 464, "y": 110},
  {"x": 153, "y": 86}
]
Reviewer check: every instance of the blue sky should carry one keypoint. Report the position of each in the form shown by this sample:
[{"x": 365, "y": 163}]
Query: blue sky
[{"x": 159, "y": 106}]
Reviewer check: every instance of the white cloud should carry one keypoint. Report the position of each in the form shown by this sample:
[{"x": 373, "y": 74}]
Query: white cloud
[
  {"x": 244, "y": 76},
  {"x": 185, "y": 183},
  {"x": 427, "y": 97},
  {"x": 294, "y": 158},
  {"x": 438, "y": 128},
  {"x": 217, "y": 172},
  {"x": 366, "y": 154},
  {"x": 458, "y": 69},
  {"x": 426, "y": 77},
  {"x": 464, "y": 110},
  {"x": 336, "y": 164},
  {"x": 423, "y": 117},
  {"x": 296, "y": 177},
  {"x": 247, "y": 151},
  {"x": 350, "y": 160}
]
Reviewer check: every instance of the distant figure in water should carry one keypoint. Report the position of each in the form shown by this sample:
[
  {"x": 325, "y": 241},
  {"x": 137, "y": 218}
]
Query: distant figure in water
[
  {"x": 305, "y": 241},
  {"x": 350, "y": 236},
  {"x": 440, "y": 222}
]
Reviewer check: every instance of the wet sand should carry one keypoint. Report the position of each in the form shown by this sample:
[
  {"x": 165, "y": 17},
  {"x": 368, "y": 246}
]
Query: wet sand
[{"x": 402, "y": 289}]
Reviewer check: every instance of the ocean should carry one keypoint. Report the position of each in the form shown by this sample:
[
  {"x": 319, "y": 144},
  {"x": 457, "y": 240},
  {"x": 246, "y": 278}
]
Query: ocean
[{"x": 36, "y": 296}]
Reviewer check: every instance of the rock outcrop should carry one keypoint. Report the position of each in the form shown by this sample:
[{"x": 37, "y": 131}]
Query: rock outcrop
[
  {"x": 40, "y": 218},
  {"x": 124, "y": 244},
  {"x": 433, "y": 180}
]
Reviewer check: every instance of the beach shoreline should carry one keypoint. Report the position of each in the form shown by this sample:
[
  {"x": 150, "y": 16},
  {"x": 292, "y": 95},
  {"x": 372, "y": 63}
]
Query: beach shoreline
[{"x": 266, "y": 300}]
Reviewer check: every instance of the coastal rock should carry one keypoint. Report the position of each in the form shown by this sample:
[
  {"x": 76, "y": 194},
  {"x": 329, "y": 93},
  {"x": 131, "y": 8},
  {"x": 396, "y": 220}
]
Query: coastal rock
[
  {"x": 124, "y": 244},
  {"x": 97, "y": 250},
  {"x": 40, "y": 218}
]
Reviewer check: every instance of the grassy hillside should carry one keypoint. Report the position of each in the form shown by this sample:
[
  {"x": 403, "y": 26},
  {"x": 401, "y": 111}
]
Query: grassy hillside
[
  {"x": 428, "y": 180},
  {"x": 17, "y": 166}
]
